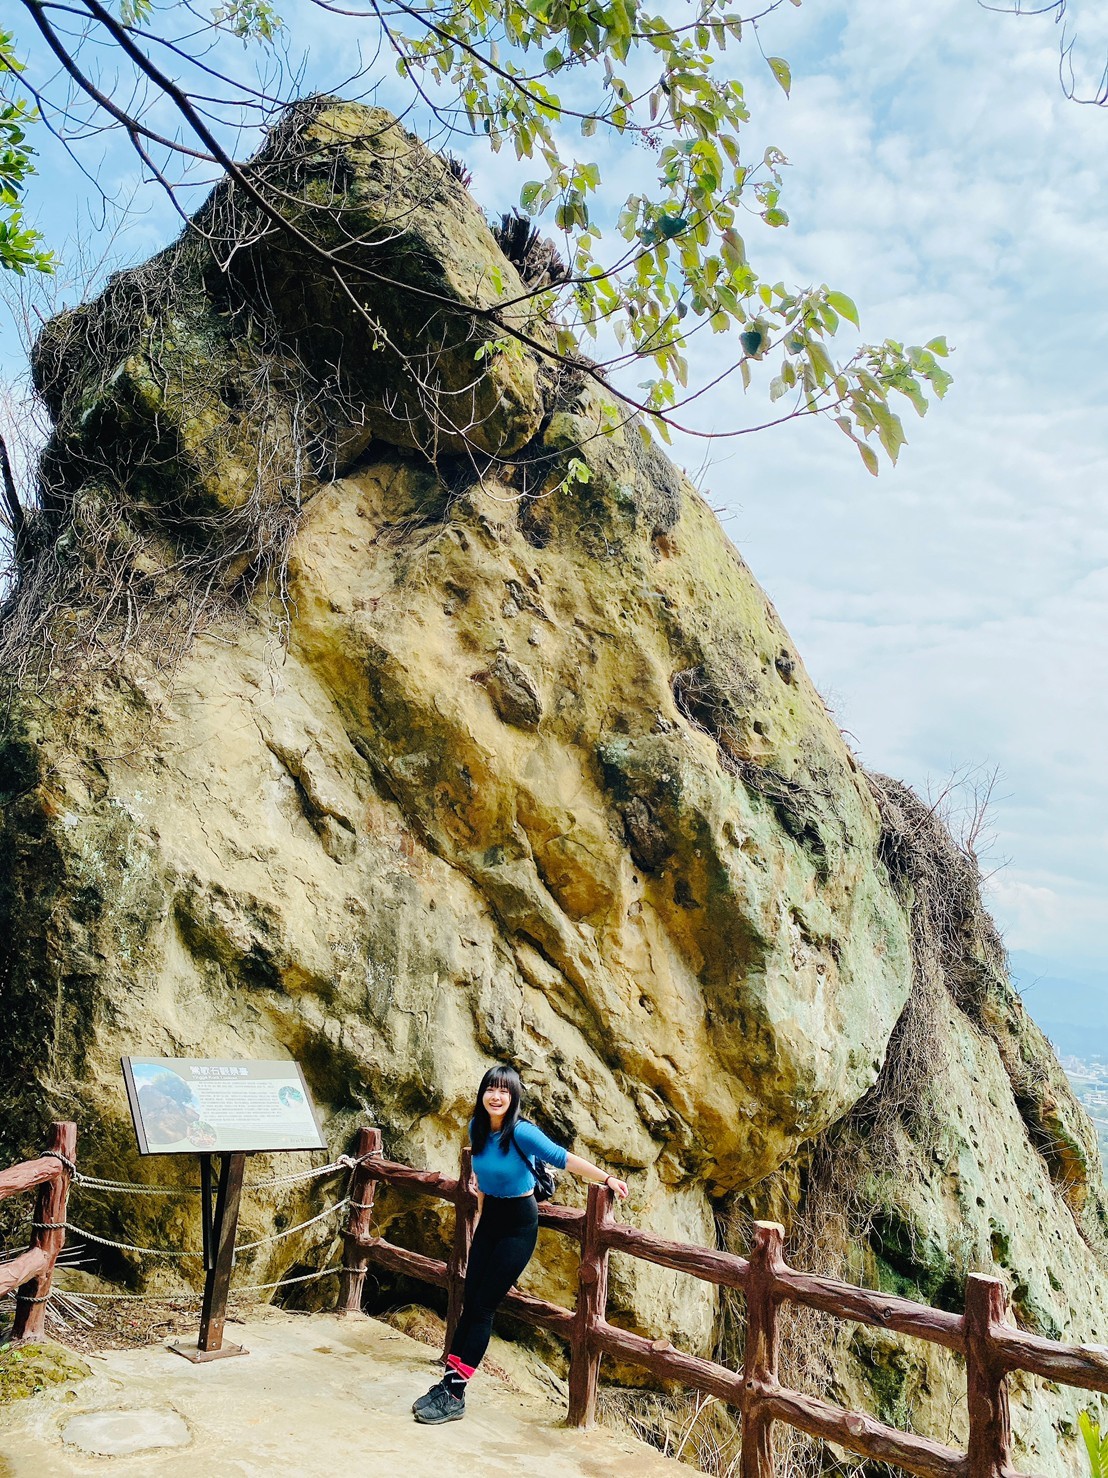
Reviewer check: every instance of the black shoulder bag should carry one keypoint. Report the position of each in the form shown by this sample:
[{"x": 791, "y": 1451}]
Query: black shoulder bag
[{"x": 545, "y": 1184}]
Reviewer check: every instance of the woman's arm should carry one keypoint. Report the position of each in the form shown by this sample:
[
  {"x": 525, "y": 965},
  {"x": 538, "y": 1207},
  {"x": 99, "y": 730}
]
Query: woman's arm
[{"x": 593, "y": 1173}]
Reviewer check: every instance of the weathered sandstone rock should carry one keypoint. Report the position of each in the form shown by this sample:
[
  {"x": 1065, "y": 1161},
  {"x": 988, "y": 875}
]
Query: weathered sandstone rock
[{"x": 496, "y": 764}]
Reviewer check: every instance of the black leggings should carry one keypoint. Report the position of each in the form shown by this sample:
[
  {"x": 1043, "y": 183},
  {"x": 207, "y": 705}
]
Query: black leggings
[{"x": 502, "y": 1247}]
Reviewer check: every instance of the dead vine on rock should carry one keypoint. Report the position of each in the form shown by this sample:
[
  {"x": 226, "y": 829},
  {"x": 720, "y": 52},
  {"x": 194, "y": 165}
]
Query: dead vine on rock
[
  {"x": 202, "y": 398},
  {"x": 169, "y": 490}
]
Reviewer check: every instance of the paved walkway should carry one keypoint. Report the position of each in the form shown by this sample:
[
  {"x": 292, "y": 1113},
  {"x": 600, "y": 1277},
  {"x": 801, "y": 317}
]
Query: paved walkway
[{"x": 317, "y": 1397}]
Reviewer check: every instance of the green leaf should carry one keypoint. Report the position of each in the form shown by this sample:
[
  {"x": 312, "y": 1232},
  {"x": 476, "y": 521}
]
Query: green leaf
[
  {"x": 941, "y": 380},
  {"x": 938, "y": 346},
  {"x": 844, "y": 307},
  {"x": 889, "y": 430},
  {"x": 1096, "y": 1444},
  {"x": 821, "y": 361},
  {"x": 530, "y": 193},
  {"x": 732, "y": 248},
  {"x": 780, "y": 69},
  {"x": 869, "y": 457}
]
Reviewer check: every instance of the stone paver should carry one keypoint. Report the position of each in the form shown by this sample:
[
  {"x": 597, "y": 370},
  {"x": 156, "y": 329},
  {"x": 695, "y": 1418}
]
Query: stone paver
[
  {"x": 317, "y": 1397},
  {"x": 121, "y": 1433}
]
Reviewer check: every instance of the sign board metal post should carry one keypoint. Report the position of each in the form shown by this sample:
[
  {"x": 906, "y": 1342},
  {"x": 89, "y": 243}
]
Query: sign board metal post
[
  {"x": 206, "y": 1209},
  {"x": 219, "y": 1257}
]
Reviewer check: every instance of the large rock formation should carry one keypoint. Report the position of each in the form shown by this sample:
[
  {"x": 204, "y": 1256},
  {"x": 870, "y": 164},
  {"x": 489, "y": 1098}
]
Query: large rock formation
[{"x": 349, "y": 722}]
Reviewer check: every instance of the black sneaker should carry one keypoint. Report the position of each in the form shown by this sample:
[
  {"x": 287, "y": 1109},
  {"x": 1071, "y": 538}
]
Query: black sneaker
[
  {"x": 421, "y": 1401},
  {"x": 439, "y": 1406}
]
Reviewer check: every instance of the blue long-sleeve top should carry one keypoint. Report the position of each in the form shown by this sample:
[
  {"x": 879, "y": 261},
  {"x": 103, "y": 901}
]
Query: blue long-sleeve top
[{"x": 500, "y": 1174}]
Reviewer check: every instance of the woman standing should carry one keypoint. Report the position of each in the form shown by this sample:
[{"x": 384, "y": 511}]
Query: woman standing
[{"x": 504, "y": 1146}]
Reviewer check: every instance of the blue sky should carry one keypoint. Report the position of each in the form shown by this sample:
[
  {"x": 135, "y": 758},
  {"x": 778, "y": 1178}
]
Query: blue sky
[{"x": 954, "y": 612}]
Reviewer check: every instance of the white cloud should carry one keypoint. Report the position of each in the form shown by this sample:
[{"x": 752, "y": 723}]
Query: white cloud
[{"x": 1048, "y": 920}]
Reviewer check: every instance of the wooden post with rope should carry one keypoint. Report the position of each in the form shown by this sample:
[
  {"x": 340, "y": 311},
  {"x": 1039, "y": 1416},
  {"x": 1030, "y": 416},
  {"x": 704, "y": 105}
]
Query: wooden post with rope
[
  {"x": 48, "y": 1235},
  {"x": 359, "y": 1229}
]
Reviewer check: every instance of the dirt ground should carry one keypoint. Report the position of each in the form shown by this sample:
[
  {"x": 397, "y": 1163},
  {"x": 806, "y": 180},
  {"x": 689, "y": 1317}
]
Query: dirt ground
[{"x": 317, "y": 1394}]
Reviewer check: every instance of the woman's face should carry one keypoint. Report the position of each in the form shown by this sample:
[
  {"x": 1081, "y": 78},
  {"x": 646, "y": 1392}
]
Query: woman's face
[{"x": 497, "y": 1102}]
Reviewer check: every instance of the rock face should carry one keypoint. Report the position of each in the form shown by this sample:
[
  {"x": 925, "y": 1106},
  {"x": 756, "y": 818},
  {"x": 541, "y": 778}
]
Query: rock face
[{"x": 533, "y": 773}]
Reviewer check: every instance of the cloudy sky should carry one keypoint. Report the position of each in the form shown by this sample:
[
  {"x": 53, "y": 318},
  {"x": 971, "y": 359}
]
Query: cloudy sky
[{"x": 953, "y": 611}]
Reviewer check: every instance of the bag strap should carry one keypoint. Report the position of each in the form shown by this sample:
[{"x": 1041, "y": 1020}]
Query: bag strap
[{"x": 525, "y": 1158}]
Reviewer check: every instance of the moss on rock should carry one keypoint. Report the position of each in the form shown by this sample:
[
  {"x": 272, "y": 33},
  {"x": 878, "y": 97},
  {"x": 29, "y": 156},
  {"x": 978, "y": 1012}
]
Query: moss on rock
[{"x": 27, "y": 1369}]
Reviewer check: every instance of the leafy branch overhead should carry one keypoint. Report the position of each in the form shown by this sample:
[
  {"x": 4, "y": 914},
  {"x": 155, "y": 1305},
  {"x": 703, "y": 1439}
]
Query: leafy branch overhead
[
  {"x": 648, "y": 270},
  {"x": 21, "y": 246},
  {"x": 523, "y": 73}
]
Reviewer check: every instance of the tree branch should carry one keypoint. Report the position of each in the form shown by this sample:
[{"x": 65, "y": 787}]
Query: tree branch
[{"x": 16, "y": 516}]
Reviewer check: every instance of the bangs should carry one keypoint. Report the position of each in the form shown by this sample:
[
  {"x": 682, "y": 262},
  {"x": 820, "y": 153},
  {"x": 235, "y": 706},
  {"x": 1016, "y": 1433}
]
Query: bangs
[{"x": 504, "y": 1079}]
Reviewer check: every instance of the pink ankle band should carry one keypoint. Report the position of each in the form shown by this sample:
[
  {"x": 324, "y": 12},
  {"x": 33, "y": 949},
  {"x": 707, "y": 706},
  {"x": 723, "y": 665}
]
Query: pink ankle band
[{"x": 465, "y": 1371}]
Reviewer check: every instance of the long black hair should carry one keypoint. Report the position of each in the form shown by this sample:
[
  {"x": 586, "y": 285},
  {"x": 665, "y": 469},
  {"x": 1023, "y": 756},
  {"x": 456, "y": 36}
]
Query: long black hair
[{"x": 496, "y": 1077}]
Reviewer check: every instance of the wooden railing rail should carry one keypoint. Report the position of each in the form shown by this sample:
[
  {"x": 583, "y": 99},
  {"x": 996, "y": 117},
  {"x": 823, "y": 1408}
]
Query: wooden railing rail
[
  {"x": 723, "y": 1268},
  {"x": 992, "y": 1347},
  {"x": 32, "y": 1272},
  {"x": 865, "y": 1306}
]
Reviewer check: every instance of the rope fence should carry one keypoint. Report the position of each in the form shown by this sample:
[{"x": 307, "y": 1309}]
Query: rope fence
[
  {"x": 142, "y": 1188},
  {"x": 50, "y": 1220},
  {"x": 195, "y": 1298}
]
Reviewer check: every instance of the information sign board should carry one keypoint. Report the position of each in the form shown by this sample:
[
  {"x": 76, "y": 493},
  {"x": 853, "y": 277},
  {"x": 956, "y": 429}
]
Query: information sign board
[{"x": 189, "y": 1106}]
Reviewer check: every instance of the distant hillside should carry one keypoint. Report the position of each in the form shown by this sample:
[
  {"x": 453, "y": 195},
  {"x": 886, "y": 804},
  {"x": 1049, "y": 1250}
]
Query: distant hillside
[{"x": 1072, "y": 1009}]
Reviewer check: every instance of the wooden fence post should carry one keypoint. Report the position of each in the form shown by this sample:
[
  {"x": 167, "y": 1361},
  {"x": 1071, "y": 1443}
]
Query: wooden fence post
[
  {"x": 465, "y": 1219},
  {"x": 360, "y": 1226},
  {"x": 760, "y": 1354},
  {"x": 990, "y": 1427},
  {"x": 592, "y": 1306},
  {"x": 51, "y": 1209}
]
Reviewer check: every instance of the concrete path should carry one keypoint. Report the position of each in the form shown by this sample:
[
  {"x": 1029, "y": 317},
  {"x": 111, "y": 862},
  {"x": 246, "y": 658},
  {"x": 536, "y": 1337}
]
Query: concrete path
[{"x": 317, "y": 1397}]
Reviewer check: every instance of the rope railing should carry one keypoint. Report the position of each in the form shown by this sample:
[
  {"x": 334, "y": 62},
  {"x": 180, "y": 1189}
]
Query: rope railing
[
  {"x": 143, "y": 1188},
  {"x": 991, "y": 1346},
  {"x": 179, "y": 1252},
  {"x": 239, "y": 1291},
  {"x": 28, "y": 1277}
]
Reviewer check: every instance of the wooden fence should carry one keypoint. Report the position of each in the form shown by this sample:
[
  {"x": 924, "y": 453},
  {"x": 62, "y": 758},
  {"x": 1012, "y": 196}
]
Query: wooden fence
[
  {"x": 990, "y": 1346},
  {"x": 32, "y": 1271}
]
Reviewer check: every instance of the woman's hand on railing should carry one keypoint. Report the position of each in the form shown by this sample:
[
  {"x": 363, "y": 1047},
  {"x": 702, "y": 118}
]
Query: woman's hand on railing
[{"x": 593, "y": 1173}]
